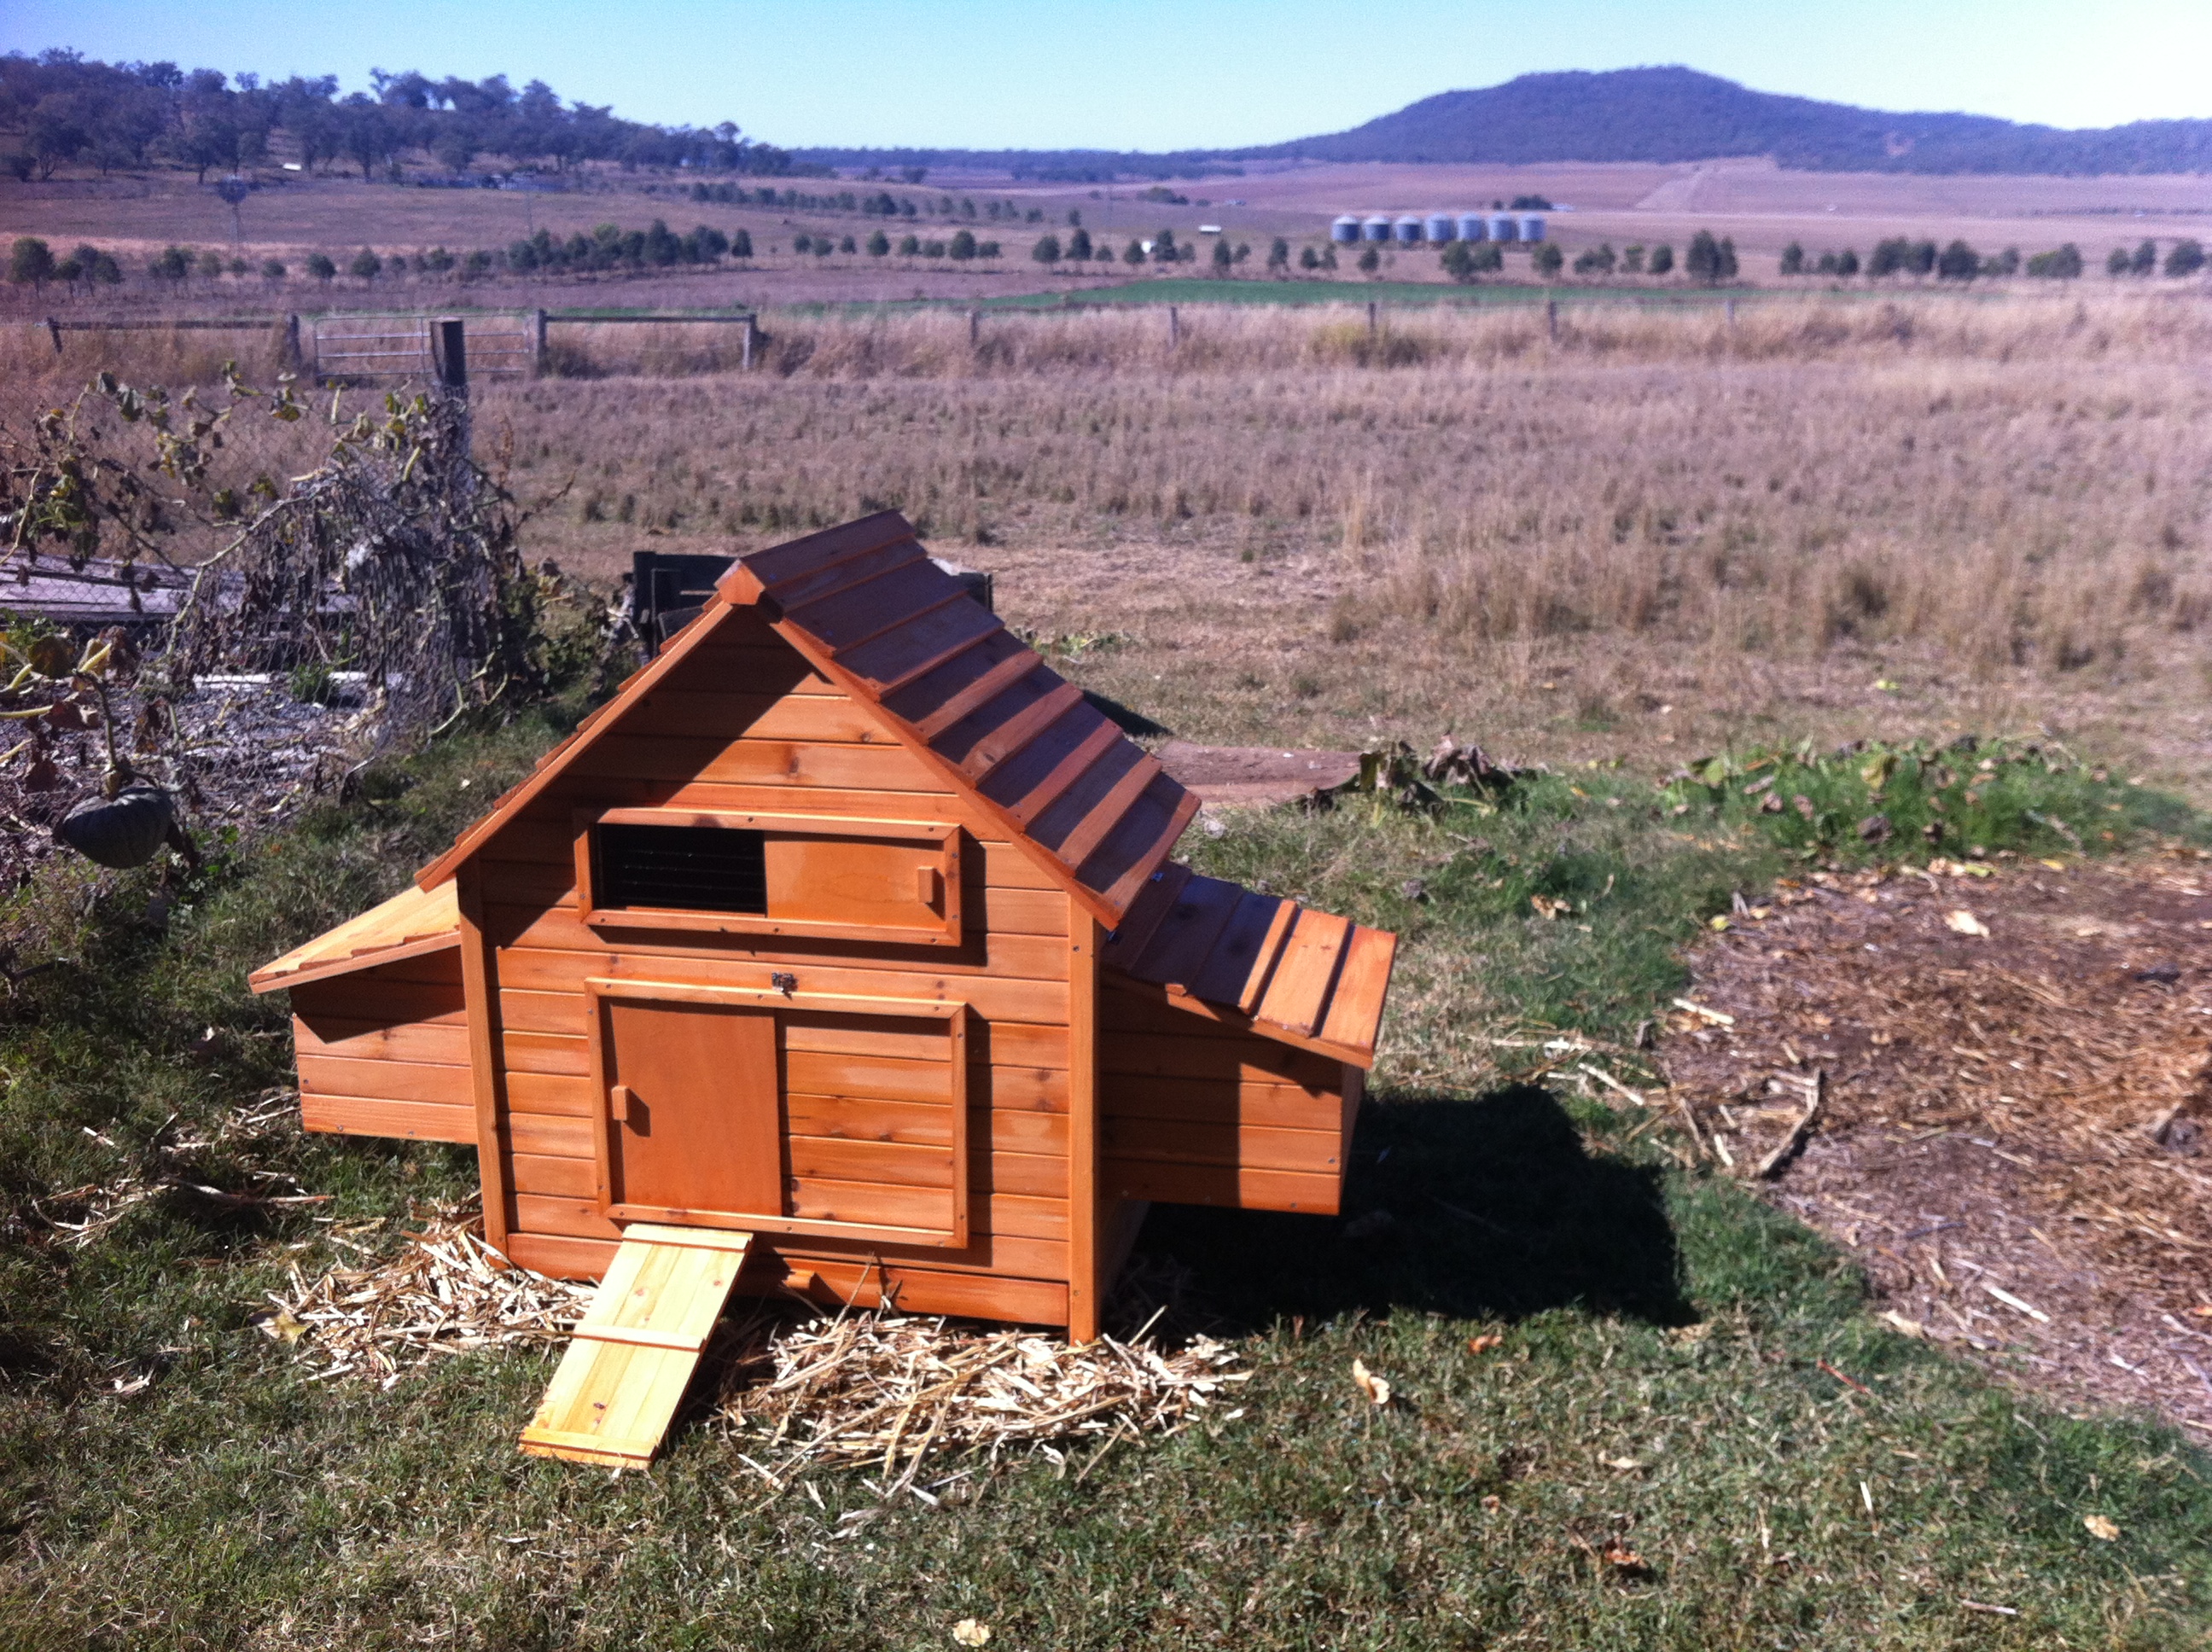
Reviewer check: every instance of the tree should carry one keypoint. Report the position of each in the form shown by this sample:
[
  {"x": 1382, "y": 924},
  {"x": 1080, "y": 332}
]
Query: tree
[
  {"x": 1279, "y": 256},
  {"x": 844, "y": 243},
  {"x": 1164, "y": 247},
  {"x": 273, "y": 270},
  {"x": 2006, "y": 262},
  {"x": 932, "y": 249},
  {"x": 31, "y": 262},
  {"x": 1923, "y": 257},
  {"x": 879, "y": 244},
  {"x": 1889, "y": 257},
  {"x": 1598, "y": 260},
  {"x": 1458, "y": 262},
  {"x": 2117, "y": 262},
  {"x": 1046, "y": 251},
  {"x": 1662, "y": 259},
  {"x": 320, "y": 267},
  {"x": 1547, "y": 260},
  {"x": 1134, "y": 254},
  {"x": 2184, "y": 257},
  {"x": 1847, "y": 262},
  {"x": 170, "y": 264},
  {"x": 1958, "y": 262},
  {"x": 909, "y": 246},
  {"x": 366, "y": 265},
  {"x": 1793, "y": 260},
  {"x": 741, "y": 243},
  {"x": 1702, "y": 262},
  {"x": 964, "y": 247},
  {"x": 1308, "y": 258},
  {"x": 802, "y": 242},
  {"x": 2145, "y": 261},
  {"x": 2062, "y": 264},
  {"x": 1223, "y": 258},
  {"x": 1632, "y": 260},
  {"x": 1371, "y": 261},
  {"x": 1078, "y": 244}
]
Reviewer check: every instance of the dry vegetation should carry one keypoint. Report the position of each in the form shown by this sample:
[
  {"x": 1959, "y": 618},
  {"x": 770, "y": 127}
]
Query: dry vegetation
[{"x": 1283, "y": 527}]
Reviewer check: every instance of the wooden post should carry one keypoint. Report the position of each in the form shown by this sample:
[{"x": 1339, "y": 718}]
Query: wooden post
[
  {"x": 1374, "y": 324},
  {"x": 1175, "y": 327},
  {"x": 487, "y": 1072},
  {"x": 975, "y": 327},
  {"x": 1087, "y": 1245},
  {"x": 54, "y": 327},
  {"x": 537, "y": 343},
  {"x": 452, "y": 355},
  {"x": 746, "y": 361},
  {"x": 1731, "y": 315},
  {"x": 292, "y": 343},
  {"x": 1551, "y": 318}
]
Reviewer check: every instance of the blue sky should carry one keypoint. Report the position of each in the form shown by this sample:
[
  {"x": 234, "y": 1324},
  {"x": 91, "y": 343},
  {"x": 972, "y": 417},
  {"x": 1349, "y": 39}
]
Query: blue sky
[{"x": 1147, "y": 74}]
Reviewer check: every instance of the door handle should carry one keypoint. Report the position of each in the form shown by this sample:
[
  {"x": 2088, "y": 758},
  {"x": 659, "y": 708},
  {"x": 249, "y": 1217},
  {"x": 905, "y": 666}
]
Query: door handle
[{"x": 620, "y": 1099}]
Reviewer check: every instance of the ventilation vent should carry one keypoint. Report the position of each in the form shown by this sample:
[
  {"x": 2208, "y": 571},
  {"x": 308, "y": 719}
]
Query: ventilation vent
[{"x": 683, "y": 868}]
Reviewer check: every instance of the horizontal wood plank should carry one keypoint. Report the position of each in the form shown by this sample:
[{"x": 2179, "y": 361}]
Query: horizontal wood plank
[
  {"x": 1257, "y": 1146},
  {"x": 361, "y": 1115},
  {"x": 1233, "y": 1188},
  {"x": 395, "y": 1081}
]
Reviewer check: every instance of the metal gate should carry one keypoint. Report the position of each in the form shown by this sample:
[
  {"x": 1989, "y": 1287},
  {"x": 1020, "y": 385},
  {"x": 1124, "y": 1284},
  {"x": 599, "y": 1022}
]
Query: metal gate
[{"x": 356, "y": 348}]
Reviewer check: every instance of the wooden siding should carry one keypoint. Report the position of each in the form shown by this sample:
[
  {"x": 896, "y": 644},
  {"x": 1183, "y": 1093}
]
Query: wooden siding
[
  {"x": 1197, "y": 1113},
  {"x": 384, "y": 1052},
  {"x": 862, "y": 1131}
]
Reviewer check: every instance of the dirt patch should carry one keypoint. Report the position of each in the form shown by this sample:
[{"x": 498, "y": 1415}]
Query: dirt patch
[
  {"x": 2016, "y": 1142},
  {"x": 1255, "y": 775}
]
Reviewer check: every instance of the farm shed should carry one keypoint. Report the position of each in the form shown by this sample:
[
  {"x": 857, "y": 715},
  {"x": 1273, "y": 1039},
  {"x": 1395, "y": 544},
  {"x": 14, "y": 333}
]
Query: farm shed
[{"x": 843, "y": 946}]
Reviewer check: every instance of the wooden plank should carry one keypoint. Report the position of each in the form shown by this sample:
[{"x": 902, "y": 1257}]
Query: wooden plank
[
  {"x": 1234, "y": 1188},
  {"x": 976, "y": 695},
  {"x": 440, "y": 1043},
  {"x": 1085, "y": 1212},
  {"x": 1081, "y": 844},
  {"x": 763, "y": 570},
  {"x": 554, "y": 1178},
  {"x": 1355, "y": 1009},
  {"x": 1210, "y": 1101},
  {"x": 1143, "y": 841},
  {"x": 1146, "y": 914},
  {"x": 1318, "y": 1151},
  {"x": 549, "y": 1136},
  {"x": 1002, "y": 742},
  {"x": 1185, "y": 935},
  {"x": 828, "y": 719},
  {"x": 553, "y": 929},
  {"x": 1299, "y": 996},
  {"x": 395, "y": 1081},
  {"x": 559, "y": 1257},
  {"x": 548, "y": 1053},
  {"x": 889, "y": 1164},
  {"x": 899, "y": 593},
  {"x": 1242, "y": 949},
  {"x": 875, "y": 1076},
  {"x": 791, "y": 764},
  {"x": 1083, "y": 754},
  {"x": 1019, "y": 1130},
  {"x": 363, "y": 1115},
  {"x": 825, "y": 579},
  {"x": 925, "y": 642},
  {"x": 1252, "y": 1058},
  {"x": 612, "y": 1401}
]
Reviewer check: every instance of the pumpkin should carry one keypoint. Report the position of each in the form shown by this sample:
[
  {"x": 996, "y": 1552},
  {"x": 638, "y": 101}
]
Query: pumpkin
[{"x": 124, "y": 830}]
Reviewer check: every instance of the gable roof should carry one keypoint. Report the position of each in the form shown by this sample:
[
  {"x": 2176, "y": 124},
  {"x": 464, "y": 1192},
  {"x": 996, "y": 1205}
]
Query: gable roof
[{"x": 867, "y": 608}]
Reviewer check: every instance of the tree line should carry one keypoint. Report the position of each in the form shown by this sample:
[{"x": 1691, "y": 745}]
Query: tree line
[
  {"x": 61, "y": 108},
  {"x": 1900, "y": 255}
]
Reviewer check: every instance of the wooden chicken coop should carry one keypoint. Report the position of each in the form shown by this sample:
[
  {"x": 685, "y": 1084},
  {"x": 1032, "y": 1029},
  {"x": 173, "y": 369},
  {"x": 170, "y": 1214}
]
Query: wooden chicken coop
[{"x": 839, "y": 953}]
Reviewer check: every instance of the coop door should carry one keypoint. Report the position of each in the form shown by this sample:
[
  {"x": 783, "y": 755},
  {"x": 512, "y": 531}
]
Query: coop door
[{"x": 782, "y": 1112}]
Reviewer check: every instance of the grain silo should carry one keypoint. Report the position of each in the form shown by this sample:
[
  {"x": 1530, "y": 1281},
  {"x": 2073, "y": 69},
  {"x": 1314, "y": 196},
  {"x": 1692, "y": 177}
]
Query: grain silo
[
  {"x": 1443, "y": 227},
  {"x": 1532, "y": 228},
  {"x": 1504, "y": 227},
  {"x": 1474, "y": 227},
  {"x": 1409, "y": 229},
  {"x": 1376, "y": 229},
  {"x": 1344, "y": 229}
]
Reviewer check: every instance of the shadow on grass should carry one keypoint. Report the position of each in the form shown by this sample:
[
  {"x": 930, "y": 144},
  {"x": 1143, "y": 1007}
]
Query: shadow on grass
[{"x": 1495, "y": 1210}]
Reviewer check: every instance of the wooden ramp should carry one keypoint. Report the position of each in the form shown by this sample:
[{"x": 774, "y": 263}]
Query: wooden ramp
[{"x": 634, "y": 1350}]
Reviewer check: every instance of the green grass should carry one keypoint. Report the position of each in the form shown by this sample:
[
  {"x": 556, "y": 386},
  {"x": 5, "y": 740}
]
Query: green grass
[{"x": 1650, "y": 1317}]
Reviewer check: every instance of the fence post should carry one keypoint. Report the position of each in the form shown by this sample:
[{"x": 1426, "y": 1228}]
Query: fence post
[
  {"x": 975, "y": 327},
  {"x": 1373, "y": 326},
  {"x": 1175, "y": 327},
  {"x": 1731, "y": 315},
  {"x": 292, "y": 343},
  {"x": 1551, "y": 318},
  {"x": 537, "y": 343},
  {"x": 453, "y": 355},
  {"x": 746, "y": 361}
]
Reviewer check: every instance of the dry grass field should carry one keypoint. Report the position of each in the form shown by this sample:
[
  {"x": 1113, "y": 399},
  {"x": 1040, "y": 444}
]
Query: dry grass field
[{"x": 1662, "y": 529}]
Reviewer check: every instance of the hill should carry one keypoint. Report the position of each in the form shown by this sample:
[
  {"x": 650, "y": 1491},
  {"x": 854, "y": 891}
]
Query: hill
[
  {"x": 1673, "y": 113},
  {"x": 1653, "y": 115}
]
